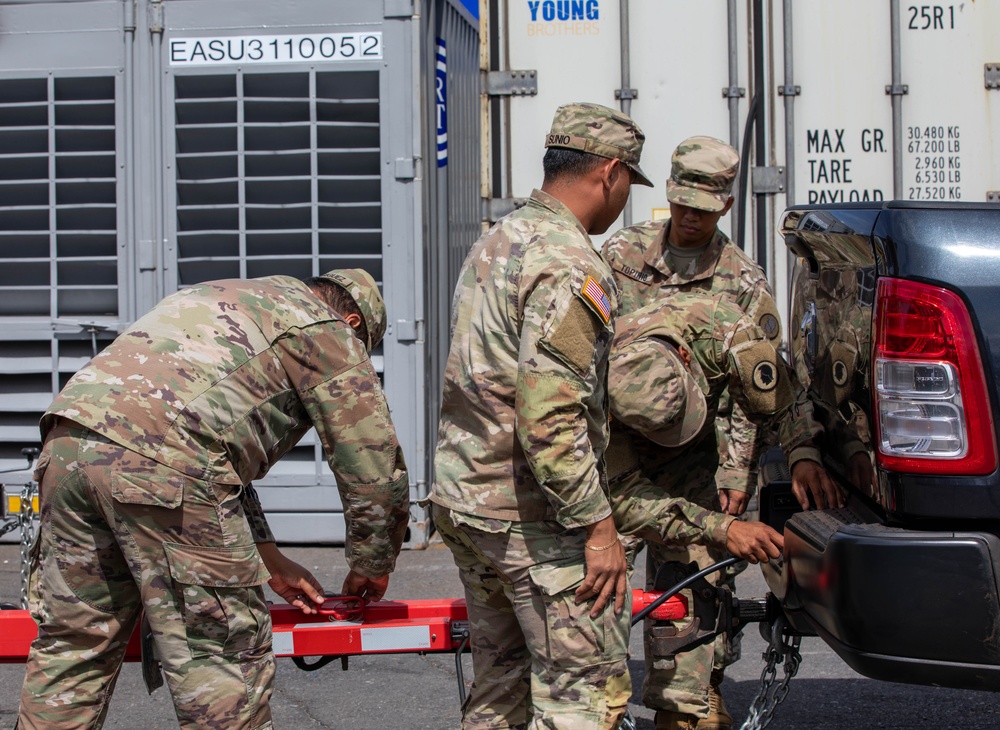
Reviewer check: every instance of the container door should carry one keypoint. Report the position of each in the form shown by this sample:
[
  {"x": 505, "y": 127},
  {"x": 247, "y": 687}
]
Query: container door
[
  {"x": 575, "y": 46},
  {"x": 291, "y": 151},
  {"x": 64, "y": 256}
]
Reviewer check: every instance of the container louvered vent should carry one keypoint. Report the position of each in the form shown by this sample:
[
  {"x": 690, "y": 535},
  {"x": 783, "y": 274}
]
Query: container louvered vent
[
  {"x": 277, "y": 173},
  {"x": 58, "y": 240}
]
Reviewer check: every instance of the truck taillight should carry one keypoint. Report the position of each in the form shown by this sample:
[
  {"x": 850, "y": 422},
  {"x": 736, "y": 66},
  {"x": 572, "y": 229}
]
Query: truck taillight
[{"x": 932, "y": 411}]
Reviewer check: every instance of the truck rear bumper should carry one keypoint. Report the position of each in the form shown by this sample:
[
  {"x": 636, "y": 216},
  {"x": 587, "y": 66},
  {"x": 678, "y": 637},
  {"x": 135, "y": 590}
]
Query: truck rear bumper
[{"x": 899, "y": 605}]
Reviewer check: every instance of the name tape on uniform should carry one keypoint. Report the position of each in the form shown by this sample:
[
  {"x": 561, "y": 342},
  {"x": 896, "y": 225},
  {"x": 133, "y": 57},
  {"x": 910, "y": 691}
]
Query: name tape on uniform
[{"x": 317, "y": 48}]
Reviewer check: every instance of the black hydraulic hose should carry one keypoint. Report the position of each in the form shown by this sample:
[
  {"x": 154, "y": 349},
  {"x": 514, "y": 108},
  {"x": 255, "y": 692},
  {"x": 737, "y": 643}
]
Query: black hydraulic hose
[{"x": 681, "y": 586}]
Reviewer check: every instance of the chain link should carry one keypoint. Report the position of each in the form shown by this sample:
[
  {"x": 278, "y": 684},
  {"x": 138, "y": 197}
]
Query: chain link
[
  {"x": 9, "y": 525},
  {"x": 27, "y": 522},
  {"x": 770, "y": 694}
]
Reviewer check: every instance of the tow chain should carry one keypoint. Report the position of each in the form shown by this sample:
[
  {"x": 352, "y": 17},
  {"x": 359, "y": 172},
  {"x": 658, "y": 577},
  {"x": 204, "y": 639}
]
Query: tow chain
[
  {"x": 24, "y": 520},
  {"x": 780, "y": 645}
]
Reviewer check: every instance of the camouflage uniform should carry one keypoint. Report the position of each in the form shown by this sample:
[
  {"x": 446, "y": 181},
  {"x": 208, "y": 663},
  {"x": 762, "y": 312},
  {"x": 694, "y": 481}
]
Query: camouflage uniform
[
  {"x": 661, "y": 407},
  {"x": 145, "y": 482},
  {"x": 519, "y": 467},
  {"x": 659, "y": 477},
  {"x": 702, "y": 173}
]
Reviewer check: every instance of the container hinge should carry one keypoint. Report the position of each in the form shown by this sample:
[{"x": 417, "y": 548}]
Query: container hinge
[
  {"x": 897, "y": 89},
  {"x": 154, "y": 14},
  {"x": 993, "y": 196},
  {"x": 626, "y": 94},
  {"x": 409, "y": 330},
  {"x": 512, "y": 83},
  {"x": 789, "y": 90},
  {"x": 398, "y": 9},
  {"x": 768, "y": 180},
  {"x": 406, "y": 168},
  {"x": 496, "y": 208},
  {"x": 991, "y": 75},
  {"x": 733, "y": 92}
]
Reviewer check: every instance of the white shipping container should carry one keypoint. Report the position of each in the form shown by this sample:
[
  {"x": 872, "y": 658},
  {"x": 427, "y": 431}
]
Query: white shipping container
[{"x": 687, "y": 62}]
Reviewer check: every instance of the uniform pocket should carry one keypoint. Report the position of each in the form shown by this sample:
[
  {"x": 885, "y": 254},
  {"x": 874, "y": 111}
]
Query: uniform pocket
[
  {"x": 154, "y": 490},
  {"x": 220, "y": 597},
  {"x": 559, "y": 577},
  {"x": 41, "y": 466}
]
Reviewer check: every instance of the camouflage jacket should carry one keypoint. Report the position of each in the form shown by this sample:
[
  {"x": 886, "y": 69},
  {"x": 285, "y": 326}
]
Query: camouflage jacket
[
  {"x": 642, "y": 270},
  {"x": 524, "y": 422},
  {"x": 726, "y": 351},
  {"x": 221, "y": 379}
]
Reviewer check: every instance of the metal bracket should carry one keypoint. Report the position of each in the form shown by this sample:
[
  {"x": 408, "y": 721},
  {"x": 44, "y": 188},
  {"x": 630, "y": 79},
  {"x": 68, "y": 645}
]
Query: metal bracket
[
  {"x": 409, "y": 330},
  {"x": 768, "y": 180},
  {"x": 626, "y": 94},
  {"x": 897, "y": 89},
  {"x": 154, "y": 16},
  {"x": 398, "y": 9},
  {"x": 789, "y": 90},
  {"x": 406, "y": 168},
  {"x": 733, "y": 92},
  {"x": 496, "y": 208},
  {"x": 991, "y": 75},
  {"x": 993, "y": 196},
  {"x": 512, "y": 83}
]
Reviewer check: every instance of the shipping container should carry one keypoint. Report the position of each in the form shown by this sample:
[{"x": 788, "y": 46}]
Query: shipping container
[
  {"x": 146, "y": 145},
  {"x": 853, "y": 100}
]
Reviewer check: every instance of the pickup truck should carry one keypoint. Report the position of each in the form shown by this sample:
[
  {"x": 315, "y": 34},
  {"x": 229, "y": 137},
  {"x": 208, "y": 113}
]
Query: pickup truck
[{"x": 894, "y": 328}]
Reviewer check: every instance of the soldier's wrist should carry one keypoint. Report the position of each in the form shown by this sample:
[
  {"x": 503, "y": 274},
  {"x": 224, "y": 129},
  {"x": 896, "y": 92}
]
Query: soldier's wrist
[
  {"x": 804, "y": 453},
  {"x": 718, "y": 529}
]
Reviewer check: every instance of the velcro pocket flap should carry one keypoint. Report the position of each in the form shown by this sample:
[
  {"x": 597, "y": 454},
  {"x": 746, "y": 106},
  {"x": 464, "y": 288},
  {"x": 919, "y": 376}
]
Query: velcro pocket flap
[
  {"x": 216, "y": 567},
  {"x": 557, "y": 577},
  {"x": 155, "y": 490}
]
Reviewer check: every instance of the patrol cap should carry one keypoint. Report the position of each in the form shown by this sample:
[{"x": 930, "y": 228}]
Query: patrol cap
[
  {"x": 364, "y": 291},
  {"x": 600, "y": 131},
  {"x": 702, "y": 172},
  {"x": 652, "y": 391}
]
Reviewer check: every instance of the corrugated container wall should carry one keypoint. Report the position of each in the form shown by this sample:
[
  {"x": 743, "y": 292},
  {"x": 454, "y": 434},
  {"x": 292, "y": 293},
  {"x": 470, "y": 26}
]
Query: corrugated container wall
[
  {"x": 858, "y": 99},
  {"x": 149, "y": 145}
]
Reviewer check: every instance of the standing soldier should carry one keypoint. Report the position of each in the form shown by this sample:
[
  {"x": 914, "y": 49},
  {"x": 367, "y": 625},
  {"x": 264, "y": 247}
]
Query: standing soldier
[
  {"x": 521, "y": 494},
  {"x": 145, "y": 478},
  {"x": 689, "y": 252}
]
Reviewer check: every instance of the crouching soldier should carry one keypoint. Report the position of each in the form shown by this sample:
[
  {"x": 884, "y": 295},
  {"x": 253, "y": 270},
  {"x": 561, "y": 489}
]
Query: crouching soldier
[{"x": 671, "y": 361}]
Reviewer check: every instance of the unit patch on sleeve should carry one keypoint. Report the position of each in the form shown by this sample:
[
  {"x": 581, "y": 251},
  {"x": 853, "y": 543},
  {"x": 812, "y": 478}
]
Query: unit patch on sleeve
[{"x": 594, "y": 293}]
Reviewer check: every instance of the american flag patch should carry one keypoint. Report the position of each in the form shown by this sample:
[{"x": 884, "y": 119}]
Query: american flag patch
[{"x": 596, "y": 296}]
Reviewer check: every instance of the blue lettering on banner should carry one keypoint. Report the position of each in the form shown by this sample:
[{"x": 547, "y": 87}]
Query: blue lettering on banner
[
  {"x": 564, "y": 10},
  {"x": 441, "y": 102}
]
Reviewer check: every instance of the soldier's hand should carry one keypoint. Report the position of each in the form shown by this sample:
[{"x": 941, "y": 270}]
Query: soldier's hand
[
  {"x": 808, "y": 477},
  {"x": 860, "y": 472},
  {"x": 370, "y": 590},
  {"x": 754, "y": 542},
  {"x": 605, "y": 569},
  {"x": 290, "y": 580},
  {"x": 734, "y": 502}
]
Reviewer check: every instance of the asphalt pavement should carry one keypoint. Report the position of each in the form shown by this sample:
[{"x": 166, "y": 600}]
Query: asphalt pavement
[{"x": 421, "y": 692}]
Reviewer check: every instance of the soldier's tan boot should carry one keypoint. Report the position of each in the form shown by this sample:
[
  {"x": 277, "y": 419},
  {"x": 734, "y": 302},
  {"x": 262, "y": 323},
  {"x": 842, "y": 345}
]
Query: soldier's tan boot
[
  {"x": 718, "y": 716},
  {"x": 667, "y": 720}
]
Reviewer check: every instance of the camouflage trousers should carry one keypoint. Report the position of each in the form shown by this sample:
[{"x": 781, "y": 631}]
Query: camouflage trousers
[
  {"x": 540, "y": 661},
  {"x": 120, "y": 534},
  {"x": 682, "y": 685}
]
